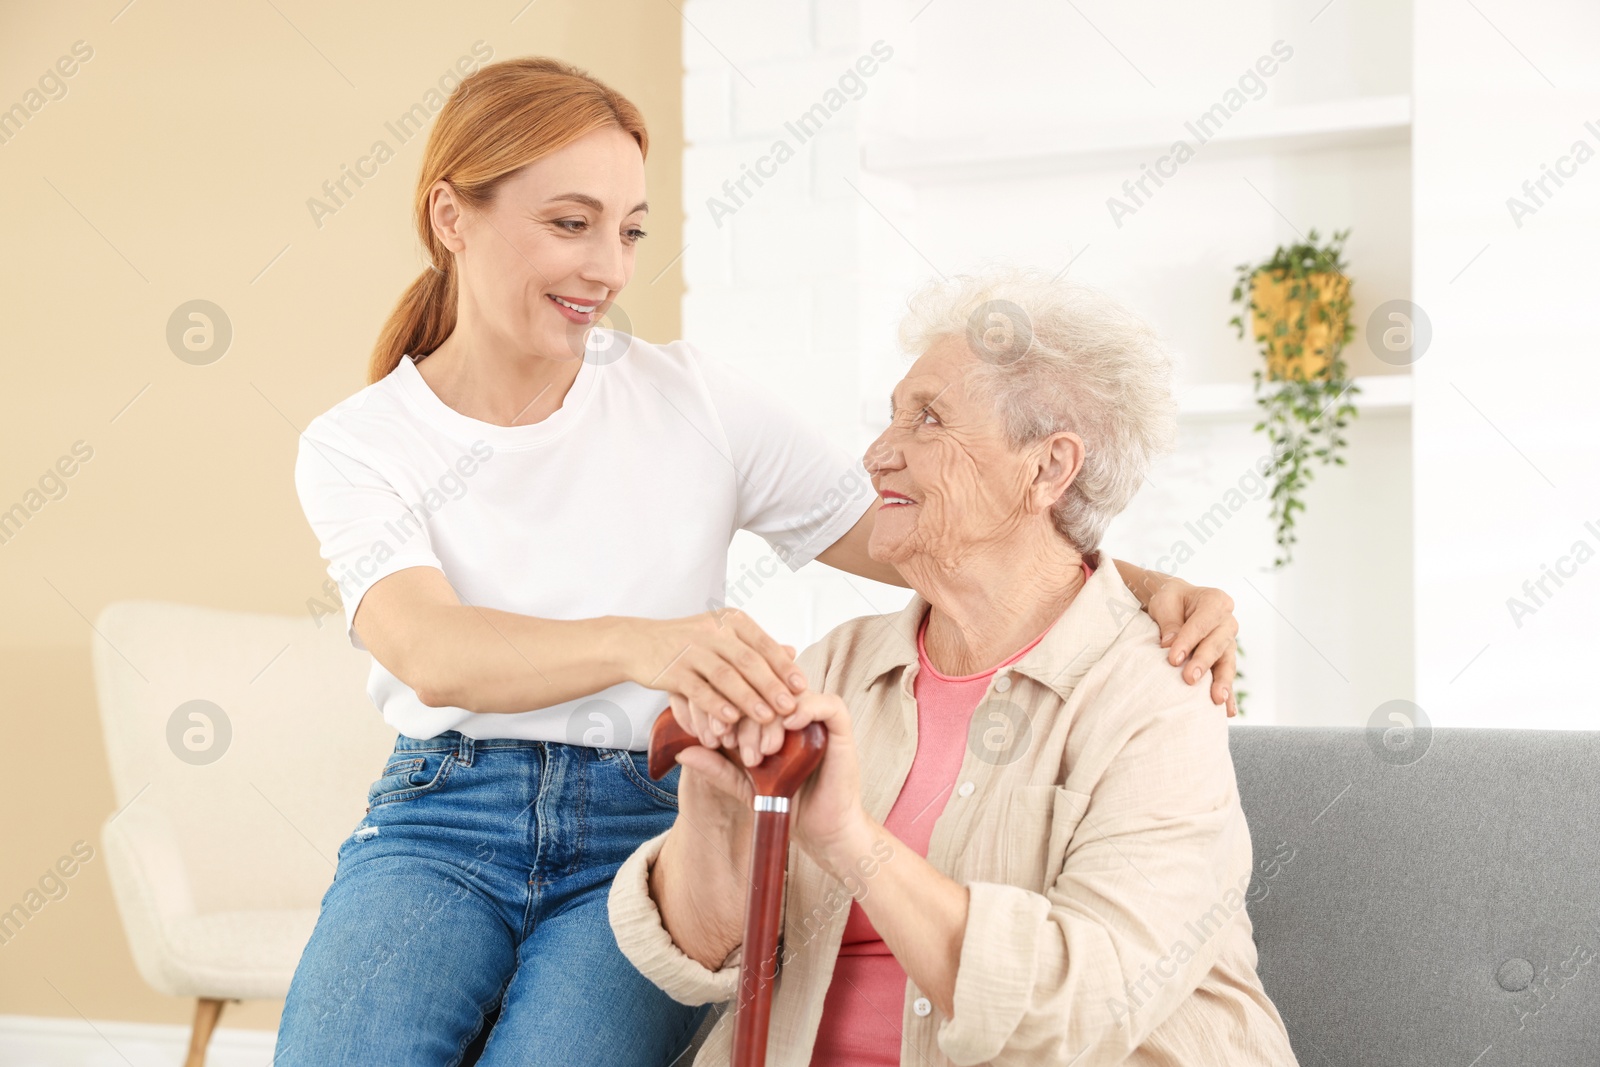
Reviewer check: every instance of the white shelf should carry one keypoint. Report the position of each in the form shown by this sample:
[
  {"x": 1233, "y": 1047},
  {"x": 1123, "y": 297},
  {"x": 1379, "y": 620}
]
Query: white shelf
[
  {"x": 1236, "y": 400},
  {"x": 1353, "y": 123},
  {"x": 1214, "y": 400}
]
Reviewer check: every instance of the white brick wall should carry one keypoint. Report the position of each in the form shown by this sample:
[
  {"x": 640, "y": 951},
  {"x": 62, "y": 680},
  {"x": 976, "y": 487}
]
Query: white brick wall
[
  {"x": 776, "y": 287},
  {"x": 744, "y": 33},
  {"x": 707, "y": 105}
]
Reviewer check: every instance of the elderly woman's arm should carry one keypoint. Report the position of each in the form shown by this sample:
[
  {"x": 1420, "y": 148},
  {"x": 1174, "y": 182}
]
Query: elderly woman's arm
[
  {"x": 677, "y": 904},
  {"x": 699, "y": 891},
  {"x": 1109, "y": 951},
  {"x": 920, "y": 913}
]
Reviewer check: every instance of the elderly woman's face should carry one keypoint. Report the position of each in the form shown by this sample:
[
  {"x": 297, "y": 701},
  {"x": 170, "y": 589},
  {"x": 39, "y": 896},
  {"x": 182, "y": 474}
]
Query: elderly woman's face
[{"x": 948, "y": 481}]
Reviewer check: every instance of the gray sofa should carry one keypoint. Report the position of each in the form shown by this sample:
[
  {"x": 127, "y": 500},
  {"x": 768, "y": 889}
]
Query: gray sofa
[
  {"x": 1435, "y": 902},
  {"x": 1425, "y": 899}
]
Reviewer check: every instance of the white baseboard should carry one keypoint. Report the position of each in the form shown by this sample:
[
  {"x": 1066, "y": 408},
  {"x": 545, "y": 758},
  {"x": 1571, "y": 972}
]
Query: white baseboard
[{"x": 33, "y": 1041}]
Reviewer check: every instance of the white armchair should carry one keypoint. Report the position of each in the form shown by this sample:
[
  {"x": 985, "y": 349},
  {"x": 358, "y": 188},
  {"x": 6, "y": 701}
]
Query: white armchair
[{"x": 229, "y": 816}]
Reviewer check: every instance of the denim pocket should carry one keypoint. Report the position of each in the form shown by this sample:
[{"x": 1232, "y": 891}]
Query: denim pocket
[
  {"x": 635, "y": 767},
  {"x": 407, "y": 776}
]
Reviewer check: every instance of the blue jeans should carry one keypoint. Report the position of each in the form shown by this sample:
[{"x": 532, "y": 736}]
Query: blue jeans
[{"x": 477, "y": 881}]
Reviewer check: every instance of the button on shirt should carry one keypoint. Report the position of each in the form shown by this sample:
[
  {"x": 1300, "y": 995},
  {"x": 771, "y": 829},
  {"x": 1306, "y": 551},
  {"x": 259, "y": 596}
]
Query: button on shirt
[{"x": 1103, "y": 849}]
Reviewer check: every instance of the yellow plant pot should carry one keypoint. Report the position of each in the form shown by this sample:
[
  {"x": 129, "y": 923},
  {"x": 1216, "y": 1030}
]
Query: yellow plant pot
[{"x": 1302, "y": 321}]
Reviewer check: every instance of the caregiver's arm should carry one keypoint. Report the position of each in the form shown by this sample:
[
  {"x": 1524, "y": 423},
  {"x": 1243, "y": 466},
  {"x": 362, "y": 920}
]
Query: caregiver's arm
[
  {"x": 849, "y": 553},
  {"x": 1196, "y": 622},
  {"x": 486, "y": 660}
]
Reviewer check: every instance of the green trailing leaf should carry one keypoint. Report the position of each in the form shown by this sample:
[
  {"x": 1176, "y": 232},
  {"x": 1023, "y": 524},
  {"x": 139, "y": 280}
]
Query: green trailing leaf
[{"x": 1239, "y": 692}]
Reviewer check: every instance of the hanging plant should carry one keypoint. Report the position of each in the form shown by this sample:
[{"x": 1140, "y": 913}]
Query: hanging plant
[{"x": 1299, "y": 305}]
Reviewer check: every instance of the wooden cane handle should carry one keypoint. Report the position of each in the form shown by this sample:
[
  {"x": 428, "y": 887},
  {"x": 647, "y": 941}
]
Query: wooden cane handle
[
  {"x": 778, "y": 775},
  {"x": 667, "y": 739}
]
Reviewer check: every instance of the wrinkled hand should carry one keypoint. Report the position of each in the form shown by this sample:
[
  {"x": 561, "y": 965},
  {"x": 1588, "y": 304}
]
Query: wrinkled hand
[
  {"x": 714, "y": 796},
  {"x": 828, "y": 815},
  {"x": 1198, "y": 628},
  {"x": 827, "y": 808}
]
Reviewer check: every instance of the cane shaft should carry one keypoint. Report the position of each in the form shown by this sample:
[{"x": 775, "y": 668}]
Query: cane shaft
[{"x": 763, "y": 922}]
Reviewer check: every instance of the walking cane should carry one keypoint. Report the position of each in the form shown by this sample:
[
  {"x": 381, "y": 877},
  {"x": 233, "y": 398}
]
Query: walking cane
[{"x": 776, "y": 779}]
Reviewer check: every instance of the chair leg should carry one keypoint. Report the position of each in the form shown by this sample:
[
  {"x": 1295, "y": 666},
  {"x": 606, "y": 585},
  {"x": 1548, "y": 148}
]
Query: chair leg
[{"x": 206, "y": 1013}]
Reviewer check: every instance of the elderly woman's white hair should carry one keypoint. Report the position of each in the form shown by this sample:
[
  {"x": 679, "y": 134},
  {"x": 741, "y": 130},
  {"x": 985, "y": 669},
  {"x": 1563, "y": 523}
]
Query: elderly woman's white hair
[{"x": 1059, "y": 355}]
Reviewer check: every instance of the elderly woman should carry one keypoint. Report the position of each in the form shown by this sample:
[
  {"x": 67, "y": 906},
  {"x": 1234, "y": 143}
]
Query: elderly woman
[{"x": 1045, "y": 861}]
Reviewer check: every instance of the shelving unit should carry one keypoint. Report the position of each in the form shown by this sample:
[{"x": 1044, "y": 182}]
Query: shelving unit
[
  {"x": 1352, "y": 123},
  {"x": 974, "y": 147},
  {"x": 1221, "y": 400},
  {"x": 1386, "y": 393}
]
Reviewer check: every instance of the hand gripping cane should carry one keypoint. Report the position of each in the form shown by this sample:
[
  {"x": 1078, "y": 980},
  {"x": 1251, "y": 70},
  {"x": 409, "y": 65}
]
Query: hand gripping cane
[{"x": 776, "y": 779}]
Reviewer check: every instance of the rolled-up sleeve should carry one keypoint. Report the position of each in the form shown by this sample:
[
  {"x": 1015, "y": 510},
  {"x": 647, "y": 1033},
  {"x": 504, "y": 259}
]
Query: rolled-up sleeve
[
  {"x": 1152, "y": 874},
  {"x": 643, "y": 938},
  {"x": 355, "y": 510}
]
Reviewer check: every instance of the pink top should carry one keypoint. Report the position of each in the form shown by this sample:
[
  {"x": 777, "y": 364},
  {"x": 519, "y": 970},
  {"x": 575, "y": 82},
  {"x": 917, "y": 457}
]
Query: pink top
[{"x": 861, "y": 1017}]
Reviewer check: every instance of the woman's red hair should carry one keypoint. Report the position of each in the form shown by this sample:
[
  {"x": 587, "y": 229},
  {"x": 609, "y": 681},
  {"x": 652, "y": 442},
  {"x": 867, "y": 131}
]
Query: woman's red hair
[{"x": 497, "y": 120}]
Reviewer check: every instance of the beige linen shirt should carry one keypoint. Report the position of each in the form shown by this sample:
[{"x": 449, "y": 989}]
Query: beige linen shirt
[{"x": 1096, "y": 825}]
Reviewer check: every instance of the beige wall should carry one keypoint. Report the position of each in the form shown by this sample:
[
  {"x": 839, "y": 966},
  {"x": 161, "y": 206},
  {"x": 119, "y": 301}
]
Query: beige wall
[{"x": 177, "y": 166}]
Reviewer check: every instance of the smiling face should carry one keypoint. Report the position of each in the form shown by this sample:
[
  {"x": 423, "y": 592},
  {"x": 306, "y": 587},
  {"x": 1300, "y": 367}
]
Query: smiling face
[
  {"x": 950, "y": 484},
  {"x": 545, "y": 260}
]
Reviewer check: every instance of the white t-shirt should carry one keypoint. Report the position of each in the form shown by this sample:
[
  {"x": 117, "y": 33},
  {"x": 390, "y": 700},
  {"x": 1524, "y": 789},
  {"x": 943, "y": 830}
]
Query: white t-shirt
[{"x": 621, "y": 502}]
